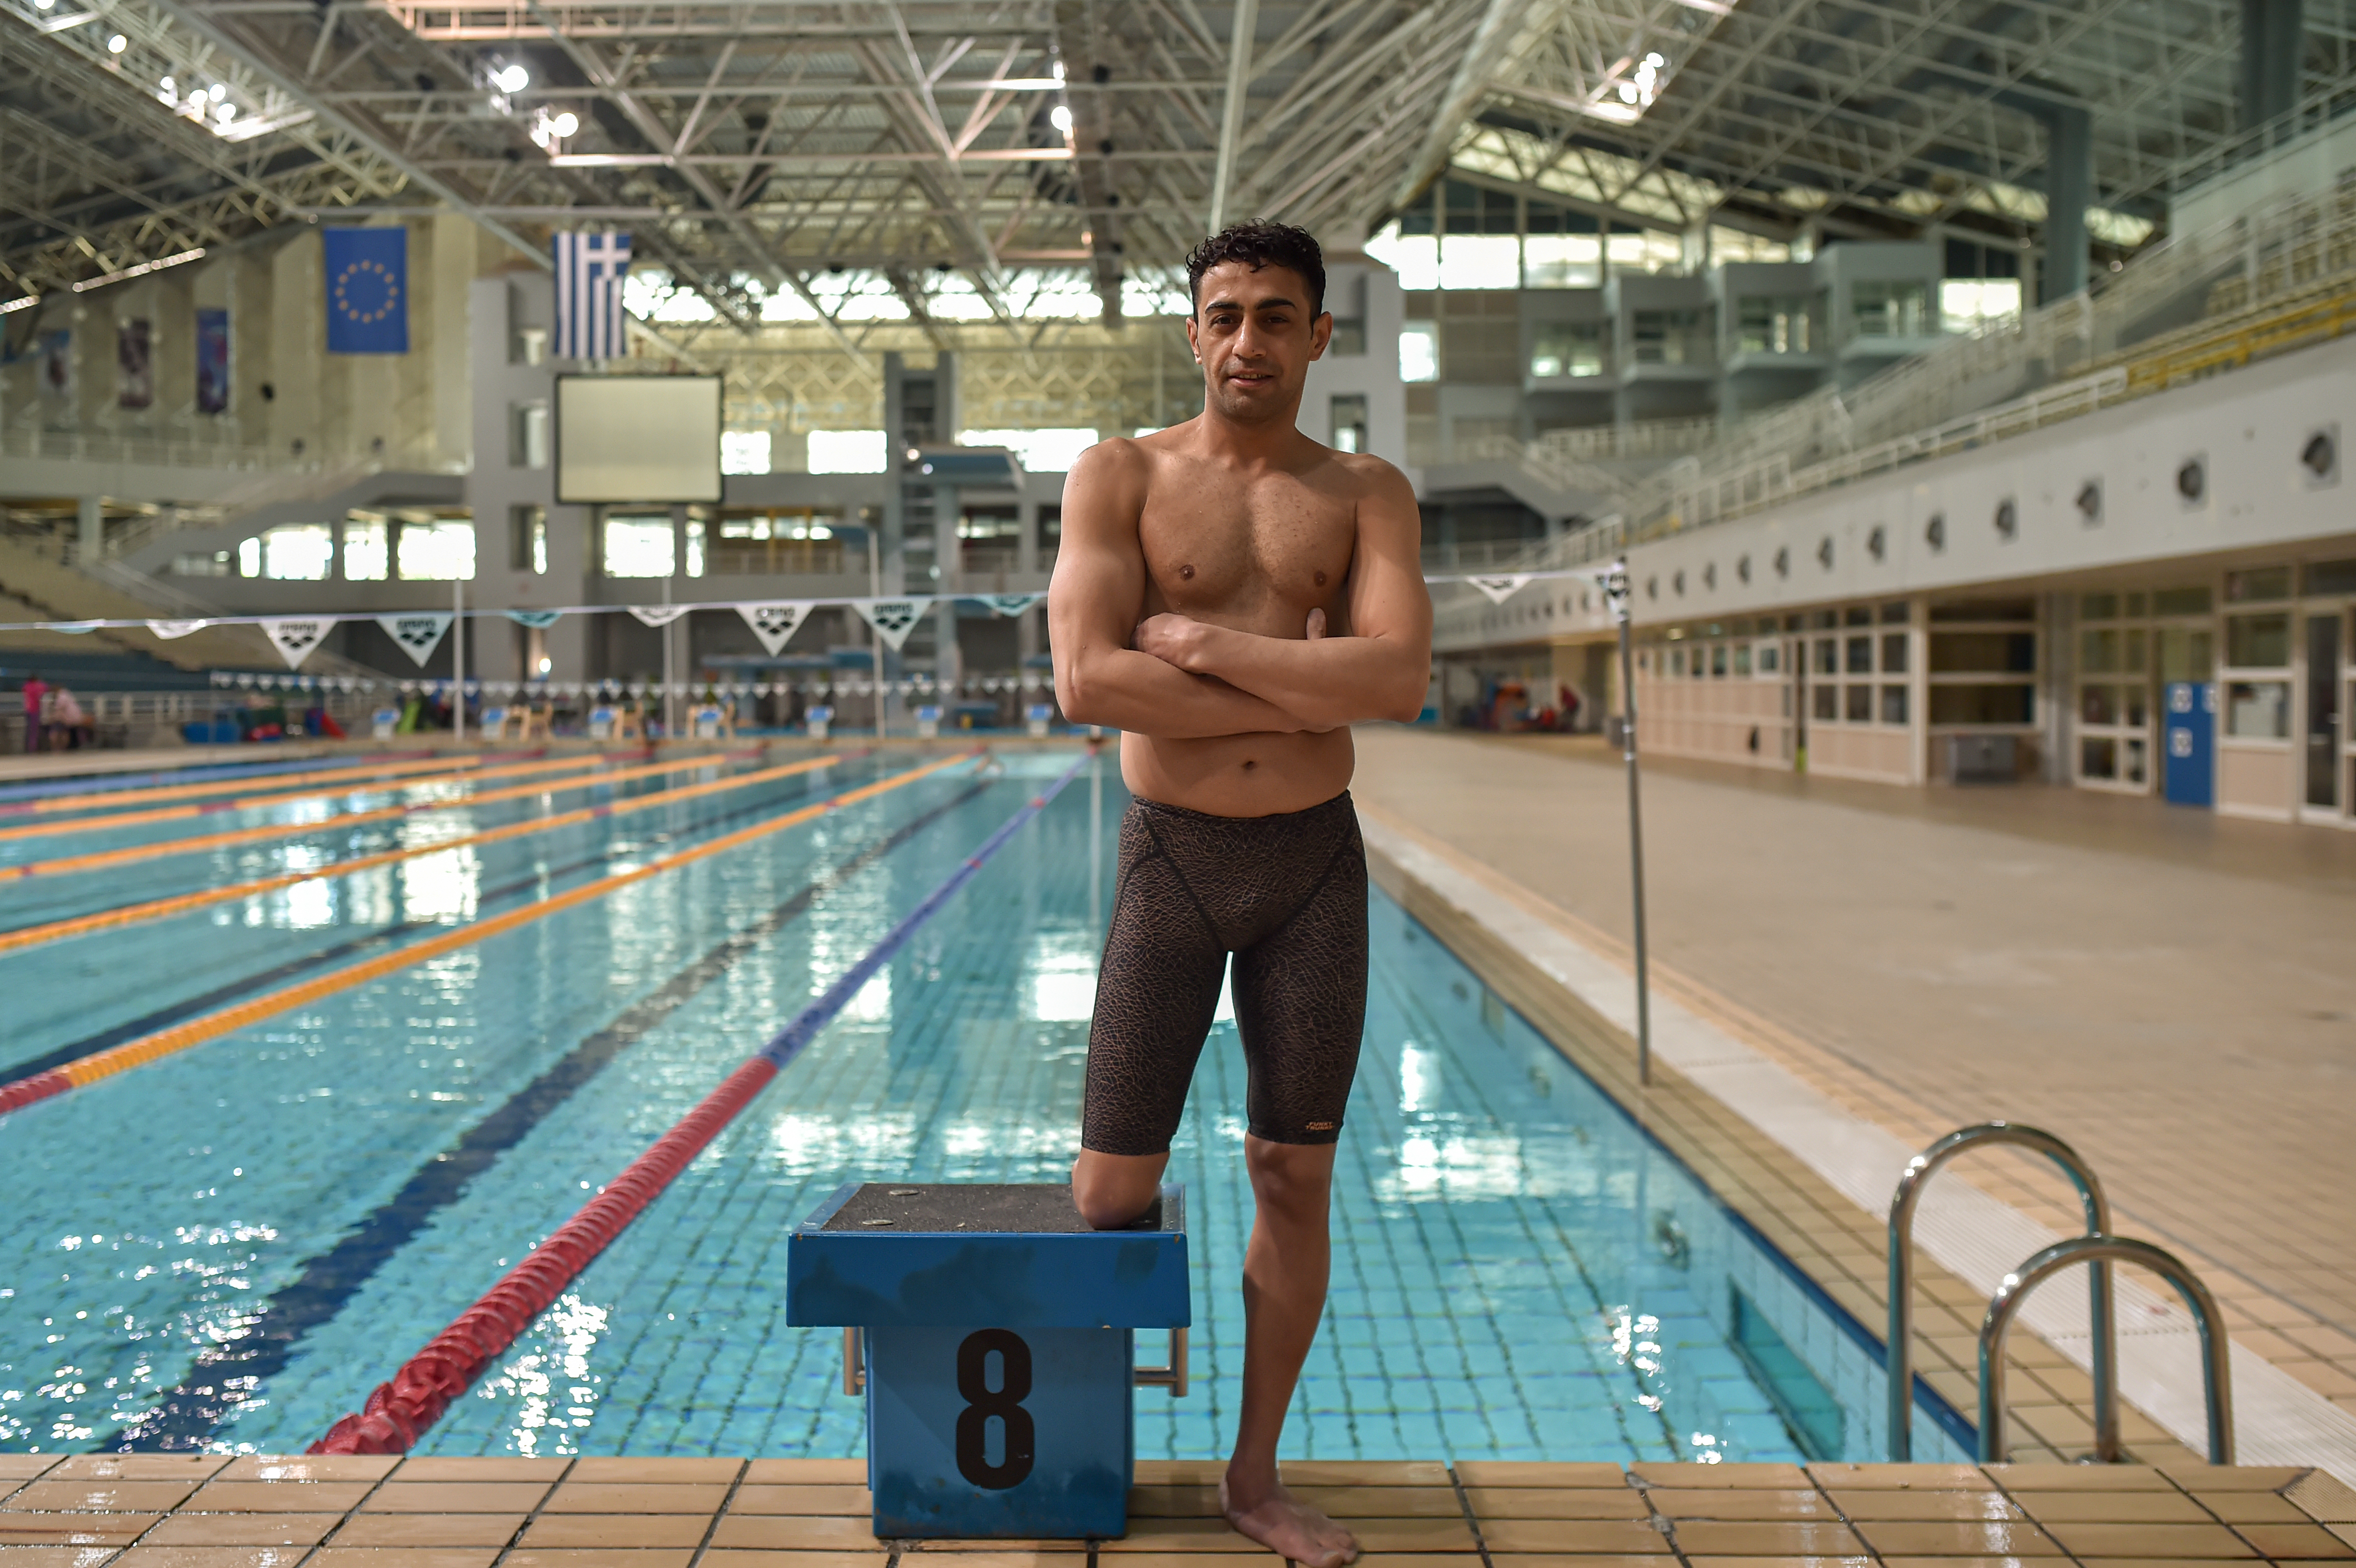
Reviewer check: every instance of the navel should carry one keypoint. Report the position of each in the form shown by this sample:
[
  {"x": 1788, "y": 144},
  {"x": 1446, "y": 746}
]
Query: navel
[
  {"x": 1187, "y": 573},
  {"x": 1249, "y": 765},
  {"x": 1321, "y": 580}
]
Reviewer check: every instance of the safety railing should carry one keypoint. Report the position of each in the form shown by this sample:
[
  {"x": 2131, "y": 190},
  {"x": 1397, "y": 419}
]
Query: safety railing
[
  {"x": 2100, "y": 1251},
  {"x": 1901, "y": 1341}
]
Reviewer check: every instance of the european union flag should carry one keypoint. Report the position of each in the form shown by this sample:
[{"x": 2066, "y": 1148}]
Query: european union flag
[{"x": 367, "y": 290}]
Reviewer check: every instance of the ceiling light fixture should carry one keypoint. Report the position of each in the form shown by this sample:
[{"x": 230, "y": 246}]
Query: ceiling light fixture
[
  {"x": 141, "y": 271},
  {"x": 1060, "y": 117},
  {"x": 11, "y": 306},
  {"x": 511, "y": 79},
  {"x": 117, "y": 44}
]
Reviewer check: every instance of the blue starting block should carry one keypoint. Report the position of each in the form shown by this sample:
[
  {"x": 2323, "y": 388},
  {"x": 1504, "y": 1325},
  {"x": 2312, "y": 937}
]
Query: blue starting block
[{"x": 992, "y": 1332}]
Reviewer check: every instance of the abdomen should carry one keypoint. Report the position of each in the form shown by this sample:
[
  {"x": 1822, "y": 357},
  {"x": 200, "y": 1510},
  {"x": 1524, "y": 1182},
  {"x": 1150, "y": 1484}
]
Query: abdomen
[{"x": 1240, "y": 775}]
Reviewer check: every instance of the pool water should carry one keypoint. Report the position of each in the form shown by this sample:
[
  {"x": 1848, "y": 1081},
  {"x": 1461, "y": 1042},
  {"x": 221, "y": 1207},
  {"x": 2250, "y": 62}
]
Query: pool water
[{"x": 229, "y": 1247}]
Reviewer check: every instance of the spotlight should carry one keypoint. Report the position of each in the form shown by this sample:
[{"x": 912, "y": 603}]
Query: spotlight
[
  {"x": 1627, "y": 92},
  {"x": 511, "y": 79},
  {"x": 1061, "y": 118},
  {"x": 1656, "y": 60},
  {"x": 565, "y": 123},
  {"x": 117, "y": 44}
]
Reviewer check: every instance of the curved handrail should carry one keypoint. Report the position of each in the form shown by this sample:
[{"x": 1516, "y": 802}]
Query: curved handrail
[
  {"x": 1899, "y": 1361},
  {"x": 2216, "y": 1362}
]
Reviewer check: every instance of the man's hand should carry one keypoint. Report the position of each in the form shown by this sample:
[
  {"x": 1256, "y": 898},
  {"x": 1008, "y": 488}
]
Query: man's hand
[{"x": 1195, "y": 646}]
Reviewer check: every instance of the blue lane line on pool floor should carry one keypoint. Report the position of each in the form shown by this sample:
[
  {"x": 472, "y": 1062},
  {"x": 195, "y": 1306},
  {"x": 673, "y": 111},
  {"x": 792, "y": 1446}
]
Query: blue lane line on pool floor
[
  {"x": 111, "y": 784},
  {"x": 191, "y": 1415},
  {"x": 166, "y": 1016}
]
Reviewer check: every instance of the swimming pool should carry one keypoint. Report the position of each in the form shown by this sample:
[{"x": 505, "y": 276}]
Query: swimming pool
[{"x": 229, "y": 1247}]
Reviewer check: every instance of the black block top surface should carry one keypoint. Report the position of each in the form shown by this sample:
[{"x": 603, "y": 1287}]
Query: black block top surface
[{"x": 989, "y": 1208}]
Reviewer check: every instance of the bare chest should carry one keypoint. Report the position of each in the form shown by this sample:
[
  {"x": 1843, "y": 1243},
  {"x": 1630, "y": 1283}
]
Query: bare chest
[{"x": 1217, "y": 546}]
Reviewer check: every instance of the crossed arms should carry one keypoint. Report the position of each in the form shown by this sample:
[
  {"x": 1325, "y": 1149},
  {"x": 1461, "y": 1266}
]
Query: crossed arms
[{"x": 1176, "y": 678}]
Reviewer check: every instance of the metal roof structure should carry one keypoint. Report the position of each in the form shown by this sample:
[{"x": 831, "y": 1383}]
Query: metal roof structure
[{"x": 751, "y": 145}]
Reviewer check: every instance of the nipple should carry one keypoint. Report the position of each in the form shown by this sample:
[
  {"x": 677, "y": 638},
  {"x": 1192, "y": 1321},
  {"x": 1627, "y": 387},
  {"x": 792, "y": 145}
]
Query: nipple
[
  {"x": 1321, "y": 580},
  {"x": 1187, "y": 573}
]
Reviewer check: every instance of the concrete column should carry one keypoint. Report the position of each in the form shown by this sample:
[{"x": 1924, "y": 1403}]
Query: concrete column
[
  {"x": 2069, "y": 186},
  {"x": 91, "y": 514},
  {"x": 1026, "y": 542},
  {"x": 2274, "y": 38}
]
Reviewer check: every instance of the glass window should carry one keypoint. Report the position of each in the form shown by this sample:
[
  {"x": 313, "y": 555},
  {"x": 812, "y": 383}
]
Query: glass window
[
  {"x": 1773, "y": 324},
  {"x": 249, "y": 557},
  {"x": 1700, "y": 661},
  {"x": 1822, "y": 620},
  {"x": 1893, "y": 705},
  {"x": 695, "y": 546},
  {"x": 843, "y": 451},
  {"x": 1717, "y": 658},
  {"x": 1890, "y": 308},
  {"x": 2098, "y": 651},
  {"x": 2258, "y": 709},
  {"x": 1771, "y": 658},
  {"x": 2257, "y": 642},
  {"x": 367, "y": 557},
  {"x": 435, "y": 552},
  {"x": 1897, "y": 612},
  {"x": 1419, "y": 351},
  {"x": 2180, "y": 601},
  {"x": 1982, "y": 653},
  {"x": 299, "y": 552},
  {"x": 1669, "y": 337},
  {"x": 1986, "y": 610},
  {"x": 528, "y": 538},
  {"x": 1350, "y": 423},
  {"x": 2186, "y": 653},
  {"x": 2131, "y": 651},
  {"x": 2258, "y": 585},
  {"x": 1860, "y": 656},
  {"x": 743, "y": 451},
  {"x": 1565, "y": 348},
  {"x": 2098, "y": 607},
  {"x": 639, "y": 547},
  {"x": 2331, "y": 577},
  {"x": 1678, "y": 661},
  {"x": 1893, "y": 653},
  {"x": 1825, "y": 702},
  {"x": 1860, "y": 706},
  {"x": 2098, "y": 758},
  {"x": 1742, "y": 658},
  {"x": 1857, "y": 615},
  {"x": 2098, "y": 705},
  {"x": 2134, "y": 704},
  {"x": 1978, "y": 704},
  {"x": 1828, "y": 657},
  {"x": 2135, "y": 603}
]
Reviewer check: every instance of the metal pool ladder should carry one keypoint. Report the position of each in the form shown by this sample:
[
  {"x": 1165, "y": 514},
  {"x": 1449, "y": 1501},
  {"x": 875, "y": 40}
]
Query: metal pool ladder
[{"x": 1901, "y": 1341}]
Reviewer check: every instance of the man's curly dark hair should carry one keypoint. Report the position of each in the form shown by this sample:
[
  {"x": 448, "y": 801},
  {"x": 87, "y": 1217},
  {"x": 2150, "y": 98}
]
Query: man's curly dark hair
[{"x": 1257, "y": 244}]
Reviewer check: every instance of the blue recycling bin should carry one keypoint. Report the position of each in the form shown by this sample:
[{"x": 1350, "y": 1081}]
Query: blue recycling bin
[{"x": 992, "y": 1333}]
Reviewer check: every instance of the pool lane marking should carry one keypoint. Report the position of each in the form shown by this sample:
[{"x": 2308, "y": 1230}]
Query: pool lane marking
[
  {"x": 181, "y": 904},
  {"x": 222, "y": 781},
  {"x": 166, "y": 1042},
  {"x": 473, "y": 773},
  {"x": 193, "y": 1414},
  {"x": 101, "y": 860},
  {"x": 400, "y": 1410},
  {"x": 369, "y": 938}
]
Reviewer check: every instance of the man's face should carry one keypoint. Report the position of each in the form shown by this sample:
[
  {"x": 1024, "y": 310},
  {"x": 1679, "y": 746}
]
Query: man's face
[{"x": 1254, "y": 335}]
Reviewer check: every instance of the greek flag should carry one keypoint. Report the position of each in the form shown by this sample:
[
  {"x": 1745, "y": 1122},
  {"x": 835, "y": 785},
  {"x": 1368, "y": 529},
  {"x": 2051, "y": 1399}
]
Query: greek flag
[{"x": 589, "y": 272}]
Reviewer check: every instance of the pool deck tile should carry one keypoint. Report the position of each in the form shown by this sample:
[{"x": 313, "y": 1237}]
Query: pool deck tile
[
  {"x": 578, "y": 1530},
  {"x": 1682, "y": 1503},
  {"x": 430, "y": 1529},
  {"x": 242, "y": 1530},
  {"x": 1538, "y": 1502},
  {"x": 101, "y": 1496},
  {"x": 403, "y": 1496}
]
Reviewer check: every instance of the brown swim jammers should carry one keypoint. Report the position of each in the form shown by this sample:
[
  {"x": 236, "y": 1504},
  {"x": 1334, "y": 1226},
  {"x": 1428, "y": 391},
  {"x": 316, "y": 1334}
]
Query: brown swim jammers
[{"x": 1287, "y": 895}]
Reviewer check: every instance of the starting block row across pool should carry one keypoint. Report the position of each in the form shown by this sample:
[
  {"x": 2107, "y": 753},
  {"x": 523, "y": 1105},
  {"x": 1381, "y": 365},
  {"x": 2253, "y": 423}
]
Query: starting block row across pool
[{"x": 993, "y": 1335}]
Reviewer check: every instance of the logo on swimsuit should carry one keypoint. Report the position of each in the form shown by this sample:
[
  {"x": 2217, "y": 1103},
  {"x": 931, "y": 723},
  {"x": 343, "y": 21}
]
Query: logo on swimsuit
[{"x": 1319, "y": 1127}]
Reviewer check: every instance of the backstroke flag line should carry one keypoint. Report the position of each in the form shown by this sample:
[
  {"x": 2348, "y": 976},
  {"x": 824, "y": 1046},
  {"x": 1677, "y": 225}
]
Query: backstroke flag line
[{"x": 589, "y": 272}]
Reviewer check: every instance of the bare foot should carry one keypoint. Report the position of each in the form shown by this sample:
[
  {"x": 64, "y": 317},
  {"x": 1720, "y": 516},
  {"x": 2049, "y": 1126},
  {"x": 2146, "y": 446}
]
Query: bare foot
[{"x": 1289, "y": 1527}]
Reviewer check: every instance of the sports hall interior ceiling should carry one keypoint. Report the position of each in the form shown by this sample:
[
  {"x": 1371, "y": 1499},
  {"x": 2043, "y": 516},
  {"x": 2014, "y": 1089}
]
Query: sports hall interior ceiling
[{"x": 753, "y": 145}]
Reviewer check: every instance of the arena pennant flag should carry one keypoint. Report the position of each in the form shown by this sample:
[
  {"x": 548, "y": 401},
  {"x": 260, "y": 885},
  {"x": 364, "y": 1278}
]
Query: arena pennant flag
[
  {"x": 295, "y": 635},
  {"x": 775, "y": 622},
  {"x": 893, "y": 619},
  {"x": 418, "y": 634},
  {"x": 658, "y": 614},
  {"x": 167, "y": 630},
  {"x": 1011, "y": 604},
  {"x": 1500, "y": 589},
  {"x": 538, "y": 620}
]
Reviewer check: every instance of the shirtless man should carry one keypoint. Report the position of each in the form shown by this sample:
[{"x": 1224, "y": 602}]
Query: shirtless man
[{"x": 1232, "y": 597}]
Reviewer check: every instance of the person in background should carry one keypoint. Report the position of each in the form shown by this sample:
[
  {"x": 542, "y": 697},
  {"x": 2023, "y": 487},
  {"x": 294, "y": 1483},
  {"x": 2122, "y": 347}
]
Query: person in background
[
  {"x": 36, "y": 689},
  {"x": 70, "y": 720}
]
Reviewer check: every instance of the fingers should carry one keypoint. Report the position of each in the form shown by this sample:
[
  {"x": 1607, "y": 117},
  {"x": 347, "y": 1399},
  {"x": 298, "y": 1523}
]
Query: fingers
[{"x": 1316, "y": 625}]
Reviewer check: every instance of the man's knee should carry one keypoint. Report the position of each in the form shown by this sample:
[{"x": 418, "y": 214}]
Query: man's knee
[
  {"x": 1110, "y": 1190},
  {"x": 1292, "y": 1181}
]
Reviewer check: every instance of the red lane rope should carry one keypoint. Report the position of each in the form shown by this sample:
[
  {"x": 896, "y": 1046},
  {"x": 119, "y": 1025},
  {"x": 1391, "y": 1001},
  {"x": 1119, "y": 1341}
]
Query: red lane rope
[{"x": 398, "y": 1412}]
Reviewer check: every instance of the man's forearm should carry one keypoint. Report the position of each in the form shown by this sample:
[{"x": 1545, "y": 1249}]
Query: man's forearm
[
  {"x": 1123, "y": 689},
  {"x": 1326, "y": 682}
]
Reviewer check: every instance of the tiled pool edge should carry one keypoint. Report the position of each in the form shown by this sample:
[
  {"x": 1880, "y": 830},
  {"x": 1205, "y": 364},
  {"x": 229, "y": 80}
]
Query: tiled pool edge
[{"x": 1819, "y": 1231}]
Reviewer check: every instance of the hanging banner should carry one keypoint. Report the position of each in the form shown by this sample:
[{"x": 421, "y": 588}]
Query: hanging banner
[
  {"x": 658, "y": 614},
  {"x": 1011, "y": 604},
  {"x": 295, "y": 635},
  {"x": 893, "y": 619},
  {"x": 1500, "y": 589},
  {"x": 775, "y": 622},
  {"x": 367, "y": 290},
  {"x": 418, "y": 634},
  {"x": 538, "y": 620},
  {"x": 134, "y": 361},
  {"x": 167, "y": 630},
  {"x": 212, "y": 361}
]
